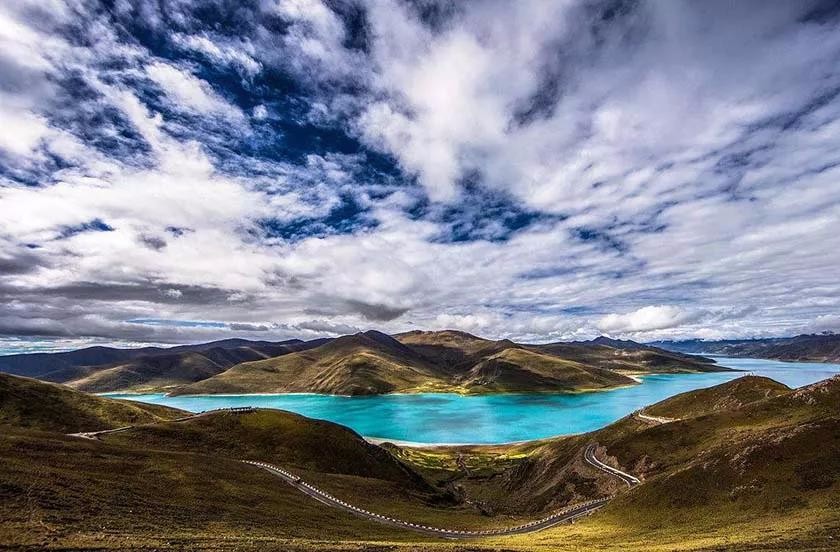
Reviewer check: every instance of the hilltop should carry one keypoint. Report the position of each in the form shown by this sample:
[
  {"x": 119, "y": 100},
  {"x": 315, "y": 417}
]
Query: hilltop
[
  {"x": 727, "y": 396},
  {"x": 801, "y": 348},
  {"x": 103, "y": 369},
  {"x": 364, "y": 363},
  {"x": 30, "y": 403},
  {"x": 448, "y": 361}
]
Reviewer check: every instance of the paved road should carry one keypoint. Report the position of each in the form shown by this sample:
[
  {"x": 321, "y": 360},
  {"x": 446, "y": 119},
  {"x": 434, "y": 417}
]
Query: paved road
[
  {"x": 97, "y": 434},
  {"x": 589, "y": 456},
  {"x": 655, "y": 419},
  {"x": 568, "y": 513}
]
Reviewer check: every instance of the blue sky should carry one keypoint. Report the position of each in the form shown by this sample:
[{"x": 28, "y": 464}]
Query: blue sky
[{"x": 181, "y": 171}]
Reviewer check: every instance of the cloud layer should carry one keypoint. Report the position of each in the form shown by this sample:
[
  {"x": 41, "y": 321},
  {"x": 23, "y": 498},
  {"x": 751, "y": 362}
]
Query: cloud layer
[{"x": 535, "y": 170}]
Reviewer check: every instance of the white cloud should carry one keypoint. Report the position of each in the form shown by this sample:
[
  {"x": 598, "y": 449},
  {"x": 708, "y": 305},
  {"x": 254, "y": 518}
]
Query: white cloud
[
  {"x": 693, "y": 158},
  {"x": 221, "y": 52},
  {"x": 188, "y": 91},
  {"x": 645, "y": 319},
  {"x": 22, "y": 131},
  {"x": 260, "y": 112}
]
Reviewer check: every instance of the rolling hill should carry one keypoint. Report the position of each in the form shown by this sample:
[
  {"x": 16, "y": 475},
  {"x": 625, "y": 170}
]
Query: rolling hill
[
  {"x": 742, "y": 454},
  {"x": 165, "y": 484},
  {"x": 728, "y": 396},
  {"x": 29, "y": 403},
  {"x": 103, "y": 369},
  {"x": 364, "y": 363},
  {"x": 162, "y": 371},
  {"x": 447, "y": 361},
  {"x": 361, "y": 364}
]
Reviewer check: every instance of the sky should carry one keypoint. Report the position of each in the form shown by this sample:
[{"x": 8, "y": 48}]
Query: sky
[{"x": 181, "y": 171}]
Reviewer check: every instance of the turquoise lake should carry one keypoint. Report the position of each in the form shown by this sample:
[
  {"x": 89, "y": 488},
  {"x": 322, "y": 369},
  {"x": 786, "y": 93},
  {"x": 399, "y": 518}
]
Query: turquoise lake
[{"x": 453, "y": 419}]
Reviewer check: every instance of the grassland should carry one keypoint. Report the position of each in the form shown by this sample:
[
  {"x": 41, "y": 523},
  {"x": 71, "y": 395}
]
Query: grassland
[
  {"x": 28, "y": 403},
  {"x": 749, "y": 466}
]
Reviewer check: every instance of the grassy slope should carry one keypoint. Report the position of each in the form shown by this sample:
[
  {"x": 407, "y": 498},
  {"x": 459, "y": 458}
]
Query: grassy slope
[
  {"x": 274, "y": 436},
  {"x": 749, "y": 472},
  {"x": 184, "y": 365},
  {"x": 449, "y": 347},
  {"x": 373, "y": 363},
  {"x": 73, "y": 493},
  {"x": 737, "y": 393},
  {"x": 182, "y": 484},
  {"x": 367, "y": 363},
  {"x": 639, "y": 360},
  {"x": 150, "y": 373},
  {"x": 515, "y": 369},
  {"x": 33, "y": 404}
]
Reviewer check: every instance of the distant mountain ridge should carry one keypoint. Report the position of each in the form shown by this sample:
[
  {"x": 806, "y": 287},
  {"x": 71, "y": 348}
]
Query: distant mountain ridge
[
  {"x": 445, "y": 361},
  {"x": 365, "y": 363},
  {"x": 804, "y": 348},
  {"x": 101, "y": 369}
]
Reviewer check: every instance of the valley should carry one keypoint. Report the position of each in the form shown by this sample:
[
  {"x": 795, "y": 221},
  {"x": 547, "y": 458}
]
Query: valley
[{"x": 748, "y": 451}]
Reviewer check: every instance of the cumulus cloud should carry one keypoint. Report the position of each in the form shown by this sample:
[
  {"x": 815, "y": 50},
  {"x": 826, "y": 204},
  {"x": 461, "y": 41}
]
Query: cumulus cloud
[
  {"x": 645, "y": 319},
  {"x": 534, "y": 170}
]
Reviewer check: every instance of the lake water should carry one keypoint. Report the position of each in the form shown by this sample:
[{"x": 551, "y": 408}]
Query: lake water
[{"x": 449, "y": 418}]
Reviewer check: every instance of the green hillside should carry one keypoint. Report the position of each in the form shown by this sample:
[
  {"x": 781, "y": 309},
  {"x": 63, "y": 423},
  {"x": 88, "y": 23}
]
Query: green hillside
[
  {"x": 361, "y": 364},
  {"x": 447, "y": 361},
  {"x": 515, "y": 369},
  {"x": 732, "y": 395},
  {"x": 750, "y": 465},
  {"x": 274, "y": 436},
  {"x": 30, "y": 403}
]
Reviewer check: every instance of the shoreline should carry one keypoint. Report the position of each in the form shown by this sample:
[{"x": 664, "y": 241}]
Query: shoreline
[
  {"x": 638, "y": 378},
  {"x": 415, "y": 444}
]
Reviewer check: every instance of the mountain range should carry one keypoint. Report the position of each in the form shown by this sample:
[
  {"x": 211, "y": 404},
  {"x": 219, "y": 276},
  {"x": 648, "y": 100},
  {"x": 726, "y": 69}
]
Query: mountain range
[
  {"x": 808, "y": 348},
  {"x": 365, "y": 363}
]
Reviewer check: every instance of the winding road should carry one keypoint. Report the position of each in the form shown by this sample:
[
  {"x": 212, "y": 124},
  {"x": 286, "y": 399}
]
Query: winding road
[
  {"x": 655, "y": 419},
  {"x": 568, "y": 513},
  {"x": 96, "y": 434},
  {"x": 589, "y": 456}
]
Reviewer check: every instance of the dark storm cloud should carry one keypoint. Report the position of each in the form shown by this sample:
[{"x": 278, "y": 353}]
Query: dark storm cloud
[
  {"x": 153, "y": 242},
  {"x": 153, "y": 292},
  {"x": 21, "y": 263},
  {"x": 374, "y": 312}
]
